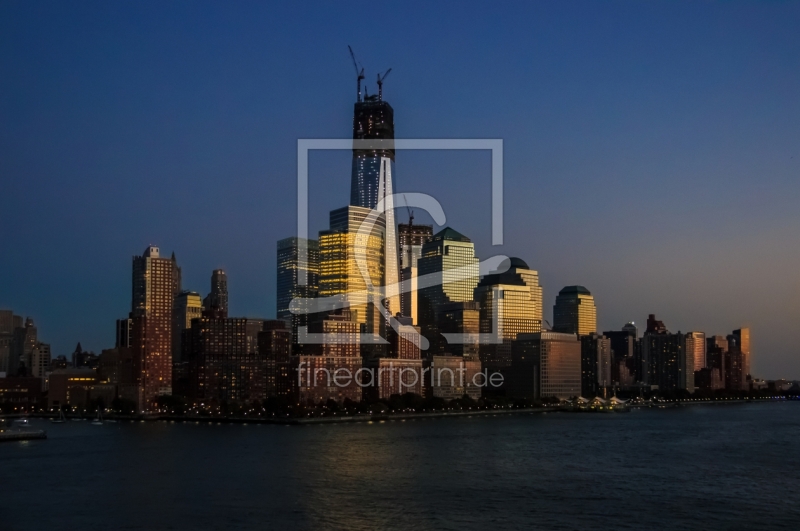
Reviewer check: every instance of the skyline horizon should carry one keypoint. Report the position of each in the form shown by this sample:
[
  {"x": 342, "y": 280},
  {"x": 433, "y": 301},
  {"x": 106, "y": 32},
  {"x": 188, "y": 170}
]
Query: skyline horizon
[{"x": 662, "y": 179}]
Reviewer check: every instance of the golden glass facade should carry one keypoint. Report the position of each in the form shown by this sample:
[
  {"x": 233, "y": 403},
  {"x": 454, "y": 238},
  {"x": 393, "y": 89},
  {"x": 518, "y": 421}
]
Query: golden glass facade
[
  {"x": 450, "y": 258},
  {"x": 511, "y": 304},
  {"x": 575, "y": 312},
  {"x": 339, "y": 272}
]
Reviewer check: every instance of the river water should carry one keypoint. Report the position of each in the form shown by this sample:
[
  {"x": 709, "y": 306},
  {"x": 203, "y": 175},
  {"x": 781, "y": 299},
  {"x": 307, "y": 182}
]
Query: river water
[{"x": 701, "y": 467}]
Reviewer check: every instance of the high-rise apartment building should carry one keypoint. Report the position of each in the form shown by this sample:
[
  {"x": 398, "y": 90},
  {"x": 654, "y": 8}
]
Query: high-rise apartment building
[
  {"x": 8, "y": 323},
  {"x": 297, "y": 278},
  {"x": 23, "y": 343},
  {"x": 312, "y": 374},
  {"x": 669, "y": 365},
  {"x": 156, "y": 282},
  {"x": 275, "y": 347},
  {"x": 574, "y": 311},
  {"x": 449, "y": 258},
  {"x": 511, "y": 304},
  {"x": 596, "y": 363},
  {"x": 696, "y": 344},
  {"x": 735, "y": 360},
  {"x": 225, "y": 364},
  {"x": 743, "y": 340},
  {"x": 624, "y": 356}
]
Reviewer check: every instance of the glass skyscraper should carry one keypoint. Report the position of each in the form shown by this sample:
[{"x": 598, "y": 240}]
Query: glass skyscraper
[
  {"x": 574, "y": 311},
  {"x": 371, "y": 182},
  {"x": 290, "y": 270},
  {"x": 516, "y": 297},
  {"x": 441, "y": 257}
]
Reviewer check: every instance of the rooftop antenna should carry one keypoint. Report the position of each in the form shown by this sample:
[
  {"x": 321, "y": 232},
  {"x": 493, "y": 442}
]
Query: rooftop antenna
[
  {"x": 359, "y": 74},
  {"x": 380, "y": 84}
]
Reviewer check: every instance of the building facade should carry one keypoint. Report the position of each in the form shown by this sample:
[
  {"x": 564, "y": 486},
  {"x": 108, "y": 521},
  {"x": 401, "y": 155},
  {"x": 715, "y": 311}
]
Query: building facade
[
  {"x": 510, "y": 304},
  {"x": 297, "y": 278},
  {"x": 575, "y": 311},
  {"x": 156, "y": 282},
  {"x": 452, "y": 270},
  {"x": 546, "y": 365}
]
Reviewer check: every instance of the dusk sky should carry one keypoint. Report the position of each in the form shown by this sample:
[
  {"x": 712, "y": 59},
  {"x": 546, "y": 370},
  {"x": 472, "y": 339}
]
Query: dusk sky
[{"x": 652, "y": 149}]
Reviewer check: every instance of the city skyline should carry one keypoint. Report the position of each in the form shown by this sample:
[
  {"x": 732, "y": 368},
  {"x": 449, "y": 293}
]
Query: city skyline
[{"x": 707, "y": 298}]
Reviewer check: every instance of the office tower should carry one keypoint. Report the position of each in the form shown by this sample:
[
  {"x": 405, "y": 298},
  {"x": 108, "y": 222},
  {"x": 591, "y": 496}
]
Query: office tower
[
  {"x": 275, "y": 347},
  {"x": 546, "y": 365},
  {"x": 459, "y": 318},
  {"x": 511, "y": 304},
  {"x": 156, "y": 282},
  {"x": 371, "y": 180},
  {"x": 313, "y": 372},
  {"x": 449, "y": 258},
  {"x": 340, "y": 272},
  {"x": 696, "y": 343},
  {"x": 412, "y": 238},
  {"x": 743, "y": 340},
  {"x": 298, "y": 278},
  {"x": 216, "y": 302},
  {"x": 595, "y": 364},
  {"x": 225, "y": 365},
  {"x": 188, "y": 306},
  {"x": 124, "y": 328},
  {"x": 574, "y": 311},
  {"x": 669, "y": 365},
  {"x": 624, "y": 356}
]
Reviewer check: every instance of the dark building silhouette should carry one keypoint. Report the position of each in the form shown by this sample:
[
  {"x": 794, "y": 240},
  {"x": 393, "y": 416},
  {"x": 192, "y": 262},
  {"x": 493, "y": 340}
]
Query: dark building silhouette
[{"x": 215, "y": 304}]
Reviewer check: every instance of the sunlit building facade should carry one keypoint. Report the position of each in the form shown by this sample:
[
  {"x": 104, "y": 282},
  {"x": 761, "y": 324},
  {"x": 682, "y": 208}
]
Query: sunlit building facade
[
  {"x": 696, "y": 344},
  {"x": 510, "y": 304},
  {"x": 340, "y": 272},
  {"x": 156, "y": 282},
  {"x": 412, "y": 238},
  {"x": 188, "y": 306},
  {"x": 575, "y": 311},
  {"x": 449, "y": 258},
  {"x": 546, "y": 365}
]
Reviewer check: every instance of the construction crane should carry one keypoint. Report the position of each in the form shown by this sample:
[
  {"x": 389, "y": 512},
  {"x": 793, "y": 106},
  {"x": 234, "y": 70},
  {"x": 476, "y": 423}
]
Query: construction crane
[
  {"x": 410, "y": 212},
  {"x": 359, "y": 74},
  {"x": 380, "y": 84}
]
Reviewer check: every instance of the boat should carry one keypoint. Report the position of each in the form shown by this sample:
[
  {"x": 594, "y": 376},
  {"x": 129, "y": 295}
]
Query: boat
[
  {"x": 98, "y": 421},
  {"x": 60, "y": 419},
  {"x": 21, "y": 430}
]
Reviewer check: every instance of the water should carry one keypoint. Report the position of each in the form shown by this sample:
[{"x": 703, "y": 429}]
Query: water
[{"x": 704, "y": 467}]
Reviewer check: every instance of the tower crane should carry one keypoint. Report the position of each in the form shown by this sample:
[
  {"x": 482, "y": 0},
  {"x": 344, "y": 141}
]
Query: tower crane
[
  {"x": 359, "y": 74},
  {"x": 380, "y": 84}
]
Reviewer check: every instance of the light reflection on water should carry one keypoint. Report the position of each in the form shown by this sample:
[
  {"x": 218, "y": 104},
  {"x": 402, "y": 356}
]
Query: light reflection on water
[{"x": 725, "y": 466}]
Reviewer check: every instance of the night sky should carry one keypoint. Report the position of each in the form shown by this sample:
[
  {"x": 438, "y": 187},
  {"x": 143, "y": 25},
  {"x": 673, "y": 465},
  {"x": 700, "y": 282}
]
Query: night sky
[{"x": 651, "y": 148}]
